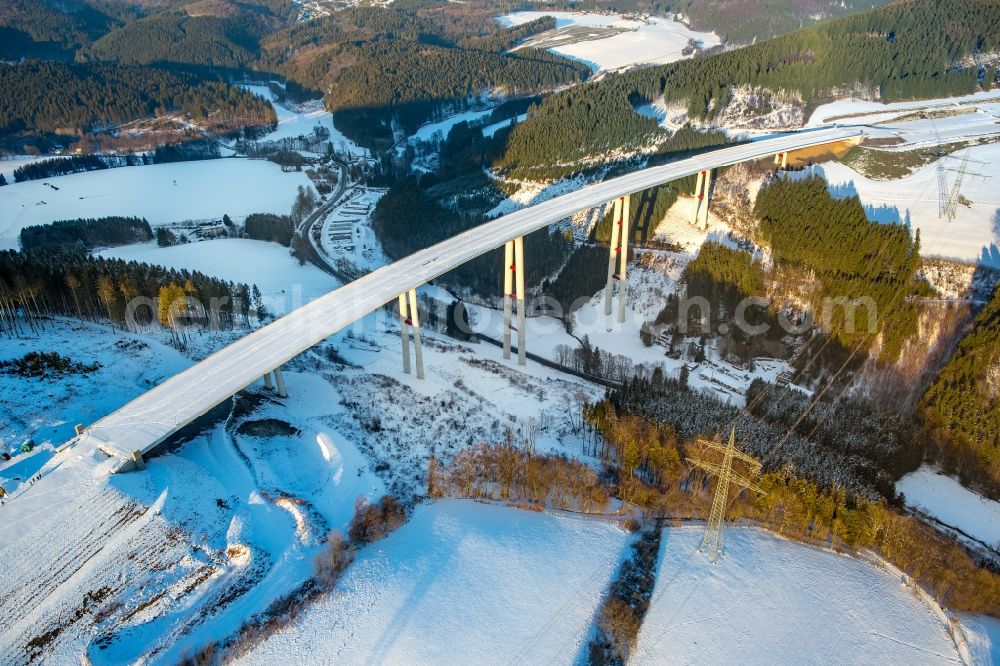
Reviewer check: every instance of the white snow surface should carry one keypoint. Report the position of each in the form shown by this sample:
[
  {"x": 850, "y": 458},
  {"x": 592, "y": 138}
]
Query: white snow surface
[
  {"x": 161, "y": 193},
  {"x": 645, "y": 41},
  {"x": 947, "y": 500},
  {"x": 283, "y": 282},
  {"x": 770, "y": 601},
  {"x": 462, "y": 583}
]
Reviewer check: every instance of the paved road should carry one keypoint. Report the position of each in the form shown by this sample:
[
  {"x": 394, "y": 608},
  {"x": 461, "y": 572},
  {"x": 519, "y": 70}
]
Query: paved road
[{"x": 152, "y": 417}]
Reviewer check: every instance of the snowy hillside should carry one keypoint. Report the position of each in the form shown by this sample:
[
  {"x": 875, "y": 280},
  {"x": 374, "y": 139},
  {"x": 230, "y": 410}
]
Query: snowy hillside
[{"x": 462, "y": 583}]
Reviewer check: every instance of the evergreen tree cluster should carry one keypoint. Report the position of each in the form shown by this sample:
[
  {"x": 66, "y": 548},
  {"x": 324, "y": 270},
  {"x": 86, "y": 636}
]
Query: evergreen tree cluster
[
  {"x": 852, "y": 257},
  {"x": 74, "y": 98},
  {"x": 61, "y": 166},
  {"x": 37, "y": 29},
  {"x": 37, "y": 284},
  {"x": 269, "y": 227},
  {"x": 904, "y": 50},
  {"x": 177, "y": 37},
  {"x": 962, "y": 406},
  {"x": 86, "y": 233}
]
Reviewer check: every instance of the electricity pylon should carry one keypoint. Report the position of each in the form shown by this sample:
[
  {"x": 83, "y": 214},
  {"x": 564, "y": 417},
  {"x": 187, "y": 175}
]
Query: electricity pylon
[{"x": 713, "y": 542}]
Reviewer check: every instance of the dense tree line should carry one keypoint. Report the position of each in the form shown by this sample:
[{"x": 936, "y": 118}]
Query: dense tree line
[
  {"x": 624, "y": 607},
  {"x": 61, "y": 166},
  {"x": 962, "y": 406},
  {"x": 903, "y": 50},
  {"x": 42, "y": 283},
  {"x": 54, "y": 97},
  {"x": 86, "y": 233}
]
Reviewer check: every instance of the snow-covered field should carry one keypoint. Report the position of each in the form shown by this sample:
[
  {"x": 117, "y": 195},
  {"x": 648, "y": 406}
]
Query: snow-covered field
[
  {"x": 632, "y": 41},
  {"x": 858, "y": 111},
  {"x": 162, "y": 193},
  {"x": 973, "y": 236},
  {"x": 947, "y": 500},
  {"x": 462, "y": 583},
  {"x": 777, "y": 602},
  {"x": 283, "y": 282}
]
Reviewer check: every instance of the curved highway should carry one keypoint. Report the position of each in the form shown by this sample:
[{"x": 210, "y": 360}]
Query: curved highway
[{"x": 154, "y": 416}]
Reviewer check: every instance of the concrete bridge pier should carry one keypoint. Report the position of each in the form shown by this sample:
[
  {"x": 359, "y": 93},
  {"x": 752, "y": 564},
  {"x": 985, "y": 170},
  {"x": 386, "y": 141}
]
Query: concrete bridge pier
[
  {"x": 702, "y": 192},
  {"x": 521, "y": 314},
  {"x": 268, "y": 383},
  {"x": 279, "y": 380},
  {"x": 704, "y": 199},
  {"x": 781, "y": 160},
  {"x": 409, "y": 318},
  {"x": 623, "y": 256},
  {"x": 508, "y": 294},
  {"x": 613, "y": 250},
  {"x": 513, "y": 294}
]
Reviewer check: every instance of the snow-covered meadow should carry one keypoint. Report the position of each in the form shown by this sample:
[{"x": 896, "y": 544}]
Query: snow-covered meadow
[
  {"x": 161, "y": 193},
  {"x": 462, "y": 583},
  {"x": 774, "y": 601},
  {"x": 614, "y": 41}
]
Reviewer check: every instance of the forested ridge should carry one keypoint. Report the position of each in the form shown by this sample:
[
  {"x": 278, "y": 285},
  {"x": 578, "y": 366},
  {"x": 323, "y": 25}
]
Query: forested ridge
[
  {"x": 908, "y": 49},
  {"x": 962, "y": 406},
  {"x": 72, "y": 98}
]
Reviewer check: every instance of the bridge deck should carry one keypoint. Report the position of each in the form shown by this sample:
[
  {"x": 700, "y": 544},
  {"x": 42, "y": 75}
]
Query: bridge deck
[{"x": 154, "y": 416}]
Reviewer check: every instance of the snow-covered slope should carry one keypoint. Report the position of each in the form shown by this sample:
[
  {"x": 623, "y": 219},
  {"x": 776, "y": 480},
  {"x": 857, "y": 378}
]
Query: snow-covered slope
[
  {"x": 462, "y": 583},
  {"x": 777, "y": 602}
]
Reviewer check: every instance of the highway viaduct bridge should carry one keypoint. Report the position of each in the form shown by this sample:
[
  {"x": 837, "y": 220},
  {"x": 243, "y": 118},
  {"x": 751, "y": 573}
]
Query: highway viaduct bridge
[{"x": 139, "y": 426}]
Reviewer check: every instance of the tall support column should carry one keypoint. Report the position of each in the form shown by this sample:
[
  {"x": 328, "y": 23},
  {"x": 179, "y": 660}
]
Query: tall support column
[
  {"x": 508, "y": 293},
  {"x": 268, "y": 384},
  {"x": 279, "y": 380},
  {"x": 616, "y": 222},
  {"x": 623, "y": 260},
  {"x": 697, "y": 197},
  {"x": 404, "y": 333},
  {"x": 521, "y": 315},
  {"x": 784, "y": 160},
  {"x": 414, "y": 321},
  {"x": 706, "y": 197}
]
